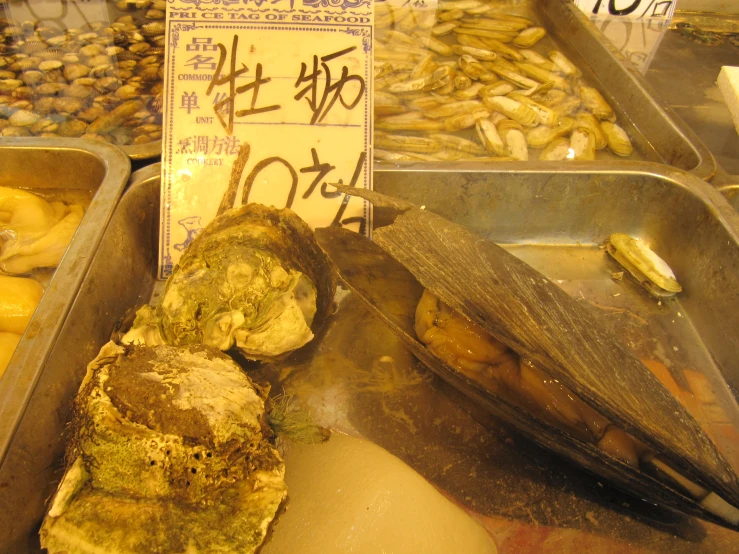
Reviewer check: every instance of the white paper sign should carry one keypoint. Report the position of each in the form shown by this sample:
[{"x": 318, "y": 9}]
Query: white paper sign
[
  {"x": 290, "y": 78},
  {"x": 632, "y": 9},
  {"x": 635, "y": 27}
]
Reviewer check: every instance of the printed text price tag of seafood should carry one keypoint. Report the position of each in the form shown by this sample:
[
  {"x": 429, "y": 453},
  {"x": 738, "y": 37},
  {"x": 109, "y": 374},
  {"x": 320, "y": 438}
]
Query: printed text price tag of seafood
[{"x": 280, "y": 88}]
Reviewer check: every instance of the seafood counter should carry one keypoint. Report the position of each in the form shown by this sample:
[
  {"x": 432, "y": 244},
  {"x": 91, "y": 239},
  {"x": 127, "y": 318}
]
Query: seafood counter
[
  {"x": 454, "y": 382},
  {"x": 469, "y": 80}
]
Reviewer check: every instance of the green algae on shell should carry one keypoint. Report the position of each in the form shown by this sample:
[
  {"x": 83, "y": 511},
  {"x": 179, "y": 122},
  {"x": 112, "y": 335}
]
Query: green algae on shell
[
  {"x": 170, "y": 452},
  {"x": 254, "y": 278}
]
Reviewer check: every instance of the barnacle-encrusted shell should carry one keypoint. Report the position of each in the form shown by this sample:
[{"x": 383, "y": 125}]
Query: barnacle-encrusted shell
[
  {"x": 254, "y": 277},
  {"x": 170, "y": 452}
]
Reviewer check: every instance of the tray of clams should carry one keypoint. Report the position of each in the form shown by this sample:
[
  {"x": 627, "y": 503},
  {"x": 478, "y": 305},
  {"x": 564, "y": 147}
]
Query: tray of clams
[
  {"x": 494, "y": 81},
  {"x": 483, "y": 376},
  {"x": 99, "y": 80}
]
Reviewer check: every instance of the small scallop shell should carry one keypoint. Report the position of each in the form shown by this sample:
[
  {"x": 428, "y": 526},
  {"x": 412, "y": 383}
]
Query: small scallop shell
[
  {"x": 23, "y": 118},
  {"x": 72, "y": 128}
]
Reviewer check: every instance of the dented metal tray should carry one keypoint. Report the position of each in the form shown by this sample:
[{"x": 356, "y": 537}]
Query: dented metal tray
[{"x": 358, "y": 378}]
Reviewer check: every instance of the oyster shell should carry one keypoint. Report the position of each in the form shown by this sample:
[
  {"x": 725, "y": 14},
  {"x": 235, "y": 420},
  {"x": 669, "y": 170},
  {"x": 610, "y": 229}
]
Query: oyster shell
[
  {"x": 643, "y": 264},
  {"x": 170, "y": 452},
  {"x": 254, "y": 278}
]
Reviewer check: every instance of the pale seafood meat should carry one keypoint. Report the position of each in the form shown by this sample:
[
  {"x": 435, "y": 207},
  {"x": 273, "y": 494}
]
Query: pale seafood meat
[
  {"x": 349, "y": 495},
  {"x": 466, "y": 346},
  {"x": 170, "y": 452},
  {"x": 35, "y": 233}
]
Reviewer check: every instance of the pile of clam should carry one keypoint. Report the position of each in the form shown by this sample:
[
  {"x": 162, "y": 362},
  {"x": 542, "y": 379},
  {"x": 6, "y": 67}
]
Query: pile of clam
[
  {"x": 463, "y": 82},
  {"x": 103, "y": 81}
]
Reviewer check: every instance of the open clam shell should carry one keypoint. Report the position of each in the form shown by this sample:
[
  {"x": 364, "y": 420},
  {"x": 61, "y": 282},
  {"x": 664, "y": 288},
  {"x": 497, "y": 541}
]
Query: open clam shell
[
  {"x": 526, "y": 311},
  {"x": 643, "y": 264}
]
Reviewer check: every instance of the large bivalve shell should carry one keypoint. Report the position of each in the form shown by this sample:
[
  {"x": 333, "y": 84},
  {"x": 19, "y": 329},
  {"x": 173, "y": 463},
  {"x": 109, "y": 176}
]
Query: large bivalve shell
[
  {"x": 643, "y": 264},
  {"x": 682, "y": 468}
]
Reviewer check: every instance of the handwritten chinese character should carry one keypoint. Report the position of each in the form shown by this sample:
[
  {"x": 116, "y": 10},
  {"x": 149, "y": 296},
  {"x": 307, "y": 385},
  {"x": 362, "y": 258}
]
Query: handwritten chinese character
[
  {"x": 200, "y": 61},
  {"x": 322, "y": 169},
  {"x": 201, "y": 45},
  {"x": 318, "y": 106},
  {"x": 189, "y": 102},
  {"x": 228, "y": 103}
]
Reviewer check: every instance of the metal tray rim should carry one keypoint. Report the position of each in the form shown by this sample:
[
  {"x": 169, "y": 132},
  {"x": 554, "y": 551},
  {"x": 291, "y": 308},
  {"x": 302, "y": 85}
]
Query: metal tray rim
[{"x": 26, "y": 365}]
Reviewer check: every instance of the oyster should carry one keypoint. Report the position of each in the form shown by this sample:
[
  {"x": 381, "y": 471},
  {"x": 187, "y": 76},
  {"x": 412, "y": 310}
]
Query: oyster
[
  {"x": 255, "y": 279},
  {"x": 678, "y": 465},
  {"x": 170, "y": 452},
  {"x": 643, "y": 264}
]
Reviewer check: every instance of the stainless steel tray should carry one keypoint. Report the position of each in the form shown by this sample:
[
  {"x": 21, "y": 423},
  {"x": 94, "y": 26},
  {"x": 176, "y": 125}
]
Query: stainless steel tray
[
  {"x": 658, "y": 132},
  {"x": 357, "y": 377},
  {"x": 731, "y": 192},
  {"x": 100, "y": 169}
]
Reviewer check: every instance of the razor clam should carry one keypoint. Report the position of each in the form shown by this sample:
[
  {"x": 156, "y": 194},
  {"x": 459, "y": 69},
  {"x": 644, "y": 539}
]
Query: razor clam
[
  {"x": 512, "y": 134},
  {"x": 594, "y": 101},
  {"x": 582, "y": 142},
  {"x": 558, "y": 149},
  {"x": 539, "y": 137},
  {"x": 529, "y": 37},
  {"x": 618, "y": 140},
  {"x": 682, "y": 469},
  {"x": 547, "y": 116},
  {"x": 490, "y": 138},
  {"x": 590, "y": 122},
  {"x": 513, "y": 109},
  {"x": 643, "y": 264}
]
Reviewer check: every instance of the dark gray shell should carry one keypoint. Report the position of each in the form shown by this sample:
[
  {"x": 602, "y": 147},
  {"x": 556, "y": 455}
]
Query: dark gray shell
[{"x": 523, "y": 309}]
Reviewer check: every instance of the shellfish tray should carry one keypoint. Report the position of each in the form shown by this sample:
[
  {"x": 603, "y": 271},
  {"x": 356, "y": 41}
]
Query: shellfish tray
[
  {"x": 103, "y": 80},
  {"x": 355, "y": 376}
]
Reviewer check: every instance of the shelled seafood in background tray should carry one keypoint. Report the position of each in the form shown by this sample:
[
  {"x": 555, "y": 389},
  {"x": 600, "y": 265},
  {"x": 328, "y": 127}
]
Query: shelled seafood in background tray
[
  {"x": 101, "y": 81},
  {"x": 472, "y": 81}
]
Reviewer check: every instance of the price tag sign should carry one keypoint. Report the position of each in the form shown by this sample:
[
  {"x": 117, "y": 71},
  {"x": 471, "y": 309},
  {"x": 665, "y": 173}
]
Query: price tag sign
[
  {"x": 631, "y": 9},
  {"x": 635, "y": 27},
  {"x": 281, "y": 89}
]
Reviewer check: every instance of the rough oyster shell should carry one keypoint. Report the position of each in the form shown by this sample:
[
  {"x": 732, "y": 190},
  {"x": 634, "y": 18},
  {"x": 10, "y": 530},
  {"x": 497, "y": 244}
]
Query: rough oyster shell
[
  {"x": 254, "y": 277},
  {"x": 170, "y": 452}
]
